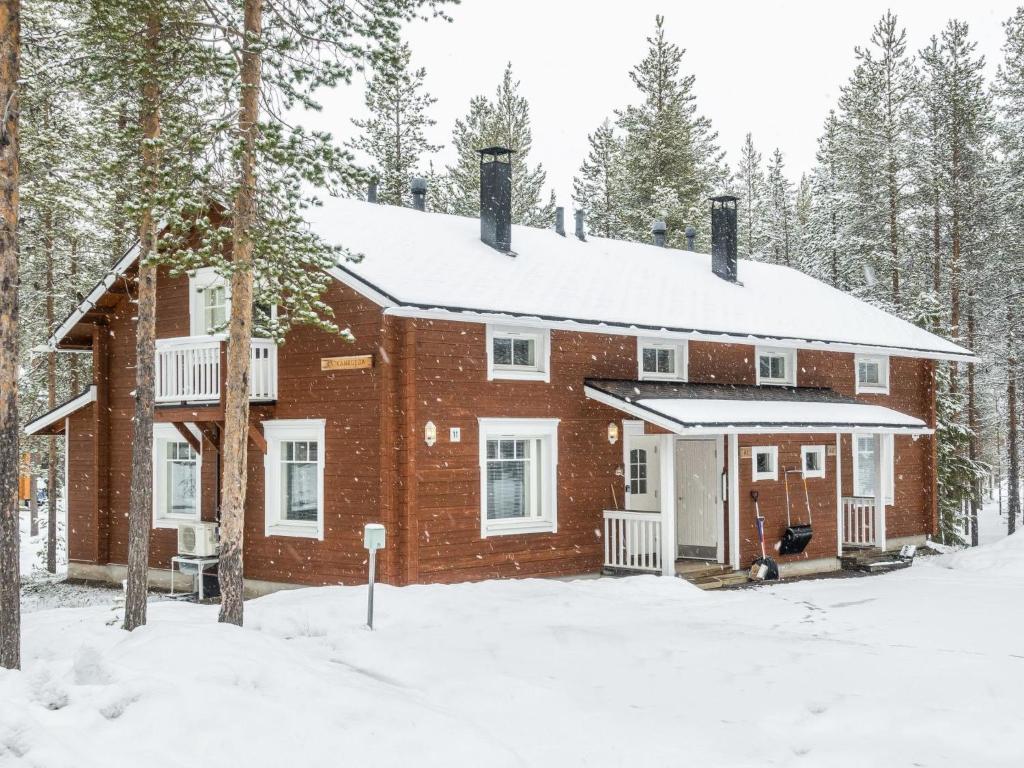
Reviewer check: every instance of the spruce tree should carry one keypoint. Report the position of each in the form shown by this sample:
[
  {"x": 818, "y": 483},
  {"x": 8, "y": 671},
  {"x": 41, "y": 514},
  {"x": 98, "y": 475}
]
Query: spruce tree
[
  {"x": 599, "y": 189},
  {"x": 749, "y": 183},
  {"x": 503, "y": 121},
  {"x": 672, "y": 161},
  {"x": 394, "y": 136},
  {"x": 778, "y": 212}
]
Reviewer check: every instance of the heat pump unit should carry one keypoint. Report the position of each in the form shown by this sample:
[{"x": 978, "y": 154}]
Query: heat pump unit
[{"x": 197, "y": 539}]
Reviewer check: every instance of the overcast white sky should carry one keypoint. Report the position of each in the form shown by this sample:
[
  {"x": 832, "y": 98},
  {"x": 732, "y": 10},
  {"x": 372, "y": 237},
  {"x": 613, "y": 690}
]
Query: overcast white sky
[{"x": 771, "y": 68}]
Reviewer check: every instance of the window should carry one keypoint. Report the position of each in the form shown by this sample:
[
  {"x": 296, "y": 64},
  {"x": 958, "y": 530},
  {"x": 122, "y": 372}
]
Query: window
[
  {"x": 865, "y": 465},
  {"x": 872, "y": 374},
  {"x": 765, "y": 462},
  {"x": 638, "y": 470},
  {"x": 209, "y": 302},
  {"x": 518, "y": 353},
  {"x": 294, "y": 478},
  {"x": 661, "y": 360},
  {"x": 518, "y": 468},
  {"x": 776, "y": 366},
  {"x": 813, "y": 459},
  {"x": 176, "y": 473}
]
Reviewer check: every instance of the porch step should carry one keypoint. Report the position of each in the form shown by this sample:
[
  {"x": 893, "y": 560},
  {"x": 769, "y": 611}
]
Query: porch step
[
  {"x": 729, "y": 579},
  {"x": 872, "y": 561},
  {"x": 709, "y": 575}
]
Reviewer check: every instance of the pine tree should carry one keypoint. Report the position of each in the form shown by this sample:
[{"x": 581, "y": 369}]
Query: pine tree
[
  {"x": 749, "y": 182},
  {"x": 10, "y": 593},
  {"x": 504, "y": 122},
  {"x": 394, "y": 135},
  {"x": 672, "y": 161},
  {"x": 599, "y": 189}
]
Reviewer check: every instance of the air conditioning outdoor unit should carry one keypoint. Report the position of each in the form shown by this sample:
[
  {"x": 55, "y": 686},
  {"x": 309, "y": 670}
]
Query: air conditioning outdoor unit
[{"x": 197, "y": 539}]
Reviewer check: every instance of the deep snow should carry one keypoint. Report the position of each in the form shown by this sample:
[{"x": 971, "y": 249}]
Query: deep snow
[{"x": 919, "y": 667}]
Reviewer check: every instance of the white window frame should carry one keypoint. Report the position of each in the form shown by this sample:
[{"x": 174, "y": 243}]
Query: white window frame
[
  {"x": 882, "y": 388},
  {"x": 818, "y": 450},
  {"x": 788, "y": 354},
  {"x": 771, "y": 450},
  {"x": 542, "y": 429},
  {"x": 163, "y": 434},
  {"x": 681, "y": 350},
  {"x": 198, "y": 282},
  {"x": 888, "y": 446},
  {"x": 541, "y": 338},
  {"x": 276, "y": 431}
]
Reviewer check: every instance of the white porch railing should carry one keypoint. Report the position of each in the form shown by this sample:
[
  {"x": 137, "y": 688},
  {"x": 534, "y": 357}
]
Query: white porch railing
[
  {"x": 859, "y": 520},
  {"x": 188, "y": 370},
  {"x": 632, "y": 540}
]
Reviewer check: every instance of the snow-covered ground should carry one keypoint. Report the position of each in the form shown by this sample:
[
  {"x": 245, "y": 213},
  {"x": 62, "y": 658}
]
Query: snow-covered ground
[{"x": 920, "y": 667}]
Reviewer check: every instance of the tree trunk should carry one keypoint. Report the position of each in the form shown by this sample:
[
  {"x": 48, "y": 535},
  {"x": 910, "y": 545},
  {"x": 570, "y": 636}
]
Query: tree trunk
[
  {"x": 33, "y": 499},
  {"x": 1013, "y": 458},
  {"x": 51, "y": 402},
  {"x": 236, "y": 397},
  {"x": 10, "y": 586},
  {"x": 972, "y": 423},
  {"x": 140, "y": 502}
]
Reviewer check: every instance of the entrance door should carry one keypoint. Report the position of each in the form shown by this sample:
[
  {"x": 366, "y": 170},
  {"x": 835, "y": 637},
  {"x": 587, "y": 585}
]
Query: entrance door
[
  {"x": 697, "y": 507},
  {"x": 643, "y": 474}
]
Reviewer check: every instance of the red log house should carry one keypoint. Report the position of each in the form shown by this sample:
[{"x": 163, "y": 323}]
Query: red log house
[{"x": 517, "y": 402}]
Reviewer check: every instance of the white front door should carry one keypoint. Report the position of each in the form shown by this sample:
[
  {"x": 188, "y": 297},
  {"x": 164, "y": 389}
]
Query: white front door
[
  {"x": 697, "y": 502},
  {"x": 643, "y": 475}
]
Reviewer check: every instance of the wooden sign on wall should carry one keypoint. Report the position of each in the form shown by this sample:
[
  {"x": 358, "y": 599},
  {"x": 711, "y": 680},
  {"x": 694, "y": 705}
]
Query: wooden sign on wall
[{"x": 351, "y": 362}]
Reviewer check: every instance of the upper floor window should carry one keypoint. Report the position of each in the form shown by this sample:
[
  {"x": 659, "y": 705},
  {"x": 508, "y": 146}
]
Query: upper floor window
[
  {"x": 518, "y": 353},
  {"x": 209, "y": 302},
  {"x": 176, "y": 473},
  {"x": 872, "y": 374},
  {"x": 776, "y": 366},
  {"x": 661, "y": 359}
]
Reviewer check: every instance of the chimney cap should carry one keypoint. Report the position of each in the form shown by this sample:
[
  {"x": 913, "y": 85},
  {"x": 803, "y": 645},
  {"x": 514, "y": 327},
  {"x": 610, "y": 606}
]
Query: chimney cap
[
  {"x": 659, "y": 225},
  {"x": 418, "y": 184},
  {"x": 496, "y": 151},
  {"x": 724, "y": 199}
]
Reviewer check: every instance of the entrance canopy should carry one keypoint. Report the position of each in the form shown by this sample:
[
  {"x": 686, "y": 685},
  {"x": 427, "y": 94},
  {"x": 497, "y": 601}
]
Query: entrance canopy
[
  {"x": 694, "y": 409},
  {"x": 52, "y": 423}
]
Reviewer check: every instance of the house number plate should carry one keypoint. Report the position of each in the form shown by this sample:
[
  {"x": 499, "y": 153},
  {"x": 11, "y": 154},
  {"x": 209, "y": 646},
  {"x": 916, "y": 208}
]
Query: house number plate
[{"x": 348, "y": 363}]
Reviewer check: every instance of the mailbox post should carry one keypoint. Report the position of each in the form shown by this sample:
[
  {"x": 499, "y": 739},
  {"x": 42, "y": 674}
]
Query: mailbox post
[{"x": 373, "y": 539}]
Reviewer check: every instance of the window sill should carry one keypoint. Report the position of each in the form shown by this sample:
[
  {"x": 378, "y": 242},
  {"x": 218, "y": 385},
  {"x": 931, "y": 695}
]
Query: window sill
[
  {"x": 868, "y": 390},
  {"x": 759, "y": 478},
  {"x": 171, "y": 522},
  {"x": 774, "y": 383},
  {"x": 511, "y": 529},
  {"x": 294, "y": 531},
  {"x": 510, "y": 374},
  {"x": 812, "y": 474},
  {"x": 661, "y": 377}
]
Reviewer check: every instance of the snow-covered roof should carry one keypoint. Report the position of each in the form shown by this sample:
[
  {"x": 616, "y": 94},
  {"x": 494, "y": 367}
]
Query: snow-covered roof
[
  {"x": 51, "y": 423},
  {"x": 417, "y": 263},
  {"x": 718, "y": 409}
]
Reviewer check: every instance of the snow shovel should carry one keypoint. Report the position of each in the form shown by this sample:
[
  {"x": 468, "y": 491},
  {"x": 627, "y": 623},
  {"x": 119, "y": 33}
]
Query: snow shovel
[
  {"x": 763, "y": 567},
  {"x": 797, "y": 537}
]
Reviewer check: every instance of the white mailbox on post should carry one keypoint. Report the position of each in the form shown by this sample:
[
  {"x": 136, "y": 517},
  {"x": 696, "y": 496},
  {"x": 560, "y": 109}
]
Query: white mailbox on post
[{"x": 373, "y": 539}]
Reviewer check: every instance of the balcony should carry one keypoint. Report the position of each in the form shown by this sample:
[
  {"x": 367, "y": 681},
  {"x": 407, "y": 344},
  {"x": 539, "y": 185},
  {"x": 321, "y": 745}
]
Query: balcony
[{"x": 191, "y": 369}]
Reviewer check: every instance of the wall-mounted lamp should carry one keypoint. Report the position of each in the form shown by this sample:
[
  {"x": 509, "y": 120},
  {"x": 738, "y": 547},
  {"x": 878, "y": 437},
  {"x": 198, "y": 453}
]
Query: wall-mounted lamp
[
  {"x": 613, "y": 432},
  {"x": 429, "y": 434}
]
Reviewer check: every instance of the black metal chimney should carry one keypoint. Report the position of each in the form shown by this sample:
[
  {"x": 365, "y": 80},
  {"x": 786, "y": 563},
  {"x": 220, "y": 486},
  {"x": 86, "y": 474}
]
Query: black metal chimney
[
  {"x": 691, "y": 237},
  {"x": 659, "y": 229},
  {"x": 579, "y": 226},
  {"x": 496, "y": 197},
  {"x": 723, "y": 237},
  {"x": 371, "y": 191},
  {"x": 560, "y": 220},
  {"x": 419, "y": 193}
]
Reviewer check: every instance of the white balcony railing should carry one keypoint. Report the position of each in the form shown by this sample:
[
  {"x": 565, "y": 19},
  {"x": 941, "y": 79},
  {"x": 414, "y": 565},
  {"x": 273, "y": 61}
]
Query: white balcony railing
[
  {"x": 632, "y": 541},
  {"x": 188, "y": 370},
  {"x": 859, "y": 520}
]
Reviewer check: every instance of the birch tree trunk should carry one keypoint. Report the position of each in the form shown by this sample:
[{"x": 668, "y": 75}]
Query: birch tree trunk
[
  {"x": 10, "y": 587},
  {"x": 140, "y": 504},
  {"x": 236, "y": 397},
  {"x": 51, "y": 403}
]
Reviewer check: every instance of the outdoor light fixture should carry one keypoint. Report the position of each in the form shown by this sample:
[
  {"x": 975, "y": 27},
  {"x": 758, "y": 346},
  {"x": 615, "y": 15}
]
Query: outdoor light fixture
[
  {"x": 430, "y": 434},
  {"x": 613, "y": 432}
]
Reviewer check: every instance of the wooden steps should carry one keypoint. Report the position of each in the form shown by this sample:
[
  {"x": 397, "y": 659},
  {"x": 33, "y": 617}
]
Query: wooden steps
[
  {"x": 709, "y": 575},
  {"x": 869, "y": 560}
]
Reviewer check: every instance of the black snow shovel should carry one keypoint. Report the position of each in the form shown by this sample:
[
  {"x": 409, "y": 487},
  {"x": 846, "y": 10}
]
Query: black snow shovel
[
  {"x": 797, "y": 537},
  {"x": 763, "y": 568}
]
